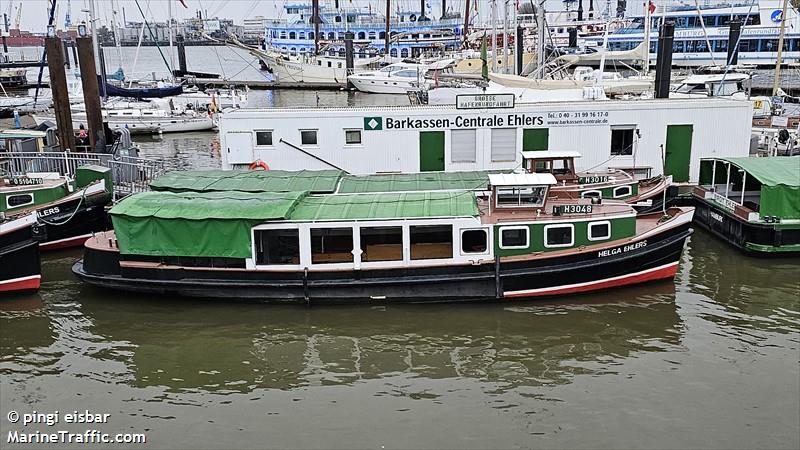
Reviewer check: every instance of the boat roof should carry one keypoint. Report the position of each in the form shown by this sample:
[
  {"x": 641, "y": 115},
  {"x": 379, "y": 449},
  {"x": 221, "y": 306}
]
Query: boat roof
[
  {"x": 550, "y": 154},
  {"x": 427, "y": 181},
  {"x": 770, "y": 171},
  {"x": 232, "y": 205},
  {"x": 716, "y": 77},
  {"x": 521, "y": 179},
  {"x": 314, "y": 181},
  {"x": 21, "y": 134},
  {"x": 393, "y": 205}
]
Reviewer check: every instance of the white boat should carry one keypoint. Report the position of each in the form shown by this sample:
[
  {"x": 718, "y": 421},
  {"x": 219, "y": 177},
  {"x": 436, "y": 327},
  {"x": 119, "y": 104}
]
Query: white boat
[
  {"x": 396, "y": 78},
  {"x": 713, "y": 85},
  {"x": 144, "y": 121},
  {"x": 313, "y": 69}
]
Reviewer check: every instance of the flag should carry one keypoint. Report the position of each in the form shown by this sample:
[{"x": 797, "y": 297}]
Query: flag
[
  {"x": 652, "y": 7},
  {"x": 183, "y": 2}
]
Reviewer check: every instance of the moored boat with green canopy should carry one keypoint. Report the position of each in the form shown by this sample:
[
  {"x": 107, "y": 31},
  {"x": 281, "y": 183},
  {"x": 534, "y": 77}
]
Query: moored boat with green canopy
[
  {"x": 509, "y": 239},
  {"x": 753, "y": 203}
]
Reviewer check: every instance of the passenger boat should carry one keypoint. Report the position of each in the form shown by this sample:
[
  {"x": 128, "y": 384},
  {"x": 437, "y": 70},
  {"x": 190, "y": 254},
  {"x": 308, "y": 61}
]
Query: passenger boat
[
  {"x": 752, "y": 203},
  {"x": 698, "y": 26},
  {"x": 314, "y": 243},
  {"x": 647, "y": 195},
  {"x": 46, "y": 211}
]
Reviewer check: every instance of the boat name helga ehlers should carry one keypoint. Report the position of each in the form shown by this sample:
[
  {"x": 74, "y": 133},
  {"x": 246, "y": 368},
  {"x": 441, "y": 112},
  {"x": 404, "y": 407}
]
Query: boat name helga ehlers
[{"x": 323, "y": 237}]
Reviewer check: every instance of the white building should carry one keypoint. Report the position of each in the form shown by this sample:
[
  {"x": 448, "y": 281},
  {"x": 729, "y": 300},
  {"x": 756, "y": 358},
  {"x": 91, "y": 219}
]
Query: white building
[
  {"x": 253, "y": 27},
  {"x": 608, "y": 133}
]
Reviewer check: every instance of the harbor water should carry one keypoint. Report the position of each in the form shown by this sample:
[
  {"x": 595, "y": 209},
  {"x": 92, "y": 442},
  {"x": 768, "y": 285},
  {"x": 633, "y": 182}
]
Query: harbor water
[{"x": 711, "y": 360}]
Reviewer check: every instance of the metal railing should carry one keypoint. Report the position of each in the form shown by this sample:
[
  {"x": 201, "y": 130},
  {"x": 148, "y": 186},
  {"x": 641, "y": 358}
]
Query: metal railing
[{"x": 129, "y": 174}]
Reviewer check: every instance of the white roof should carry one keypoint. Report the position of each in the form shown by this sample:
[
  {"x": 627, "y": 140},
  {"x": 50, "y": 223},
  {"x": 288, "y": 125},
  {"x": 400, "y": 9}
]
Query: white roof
[
  {"x": 547, "y": 154},
  {"x": 520, "y": 179}
]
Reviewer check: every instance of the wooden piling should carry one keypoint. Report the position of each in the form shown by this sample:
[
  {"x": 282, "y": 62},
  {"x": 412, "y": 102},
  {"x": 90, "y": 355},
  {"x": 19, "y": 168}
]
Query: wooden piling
[
  {"x": 58, "y": 86},
  {"x": 91, "y": 95}
]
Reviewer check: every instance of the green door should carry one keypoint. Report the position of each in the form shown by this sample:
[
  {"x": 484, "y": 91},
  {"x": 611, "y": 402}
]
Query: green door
[
  {"x": 431, "y": 151},
  {"x": 678, "y": 152}
]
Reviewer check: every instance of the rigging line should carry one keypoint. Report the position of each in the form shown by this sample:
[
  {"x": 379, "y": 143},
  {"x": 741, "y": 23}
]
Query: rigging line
[
  {"x": 219, "y": 60},
  {"x": 150, "y": 31}
]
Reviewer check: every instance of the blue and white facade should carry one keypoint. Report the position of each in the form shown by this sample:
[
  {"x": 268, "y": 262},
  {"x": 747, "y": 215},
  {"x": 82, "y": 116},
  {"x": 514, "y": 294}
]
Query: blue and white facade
[
  {"x": 758, "y": 44},
  {"x": 293, "y": 33}
]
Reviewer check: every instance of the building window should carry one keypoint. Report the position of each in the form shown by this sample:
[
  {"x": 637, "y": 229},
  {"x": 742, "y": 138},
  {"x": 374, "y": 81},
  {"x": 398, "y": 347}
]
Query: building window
[
  {"x": 516, "y": 197},
  {"x": 514, "y": 238},
  {"x": 381, "y": 244},
  {"x": 535, "y": 139},
  {"x": 474, "y": 241},
  {"x": 264, "y": 138},
  {"x": 277, "y": 247},
  {"x": 622, "y": 140},
  {"x": 556, "y": 236},
  {"x": 331, "y": 245},
  {"x": 504, "y": 144},
  {"x": 431, "y": 241},
  {"x": 599, "y": 231},
  {"x": 308, "y": 137},
  {"x": 622, "y": 191},
  {"x": 352, "y": 137},
  {"x": 463, "y": 146}
]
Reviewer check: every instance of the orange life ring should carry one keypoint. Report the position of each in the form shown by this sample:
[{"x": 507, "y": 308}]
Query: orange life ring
[{"x": 259, "y": 164}]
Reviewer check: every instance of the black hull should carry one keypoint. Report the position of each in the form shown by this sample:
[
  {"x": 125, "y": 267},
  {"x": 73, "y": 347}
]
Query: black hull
[
  {"x": 63, "y": 229},
  {"x": 752, "y": 238},
  {"x": 20, "y": 266},
  {"x": 654, "y": 258}
]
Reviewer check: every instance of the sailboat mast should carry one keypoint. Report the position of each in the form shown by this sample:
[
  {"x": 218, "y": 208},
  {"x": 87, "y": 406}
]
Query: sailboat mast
[
  {"x": 93, "y": 27},
  {"x": 171, "y": 51},
  {"x": 315, "y": 19},
  {"x": 466, "y": 22},
  {"x": 386, "y": 32},
  {"x": 776, "y": 85}
]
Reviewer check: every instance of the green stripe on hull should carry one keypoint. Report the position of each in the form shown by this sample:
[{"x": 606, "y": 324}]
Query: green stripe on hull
[
  {"x": 761, "y": 248},
  {"x": 41, "y": 196},
  {"x": 621, "y": 228}
]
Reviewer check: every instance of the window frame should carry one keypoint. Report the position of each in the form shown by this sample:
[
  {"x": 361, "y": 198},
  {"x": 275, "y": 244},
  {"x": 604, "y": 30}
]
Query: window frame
[
  {"x": 316, "y": 137},
  {"x": 271, "y": 138},
  {"x": 353, "y": 241},
  {"x": 599, "y": 222},
  {"x": 282, "y": 227},
  {"x": 360, "y": 142},
  {"x": 592, "y": 191},
  {"x": 9, "y": 197},
  {"x": 559, "y": 225},
  {"x": 461, "y": 251},
  {"x": 514, "y": 227},
  {"x": 614, "y": 193},
  {"x": 474, "y": 146},
  {"x": 622, "y": 127}
]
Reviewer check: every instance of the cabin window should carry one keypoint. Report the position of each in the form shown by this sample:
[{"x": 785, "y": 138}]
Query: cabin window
[
  {"x": 516, "y": 197},
  {"x": 622, "y": 191},
  {"x": 264, "y": 137},
  {"x": 474, "y": 241},
  {"x": 15, "y": 201},
  {"x": 599, "y": 231},
  {"x": 622, "y": 140},
  {"x": 352, "y": 137},
  {"x": 431, "y": 241},
  {"x": 381, "y": 244},
  {"x": 331, "y": 245},
  {"x": 591, "y": 194},
  {"x": 504, "y": 144},
  {"x": 556, "y": 236},
  {"x": 514, "y": 238},
  {"x": 308, "y": 137},
  {"x": 274, "y": 247},
  {"x": 463, "y": 147}
]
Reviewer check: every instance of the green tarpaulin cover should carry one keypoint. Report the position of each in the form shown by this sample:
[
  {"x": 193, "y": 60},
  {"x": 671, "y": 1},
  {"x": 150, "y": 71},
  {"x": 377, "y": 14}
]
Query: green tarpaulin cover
[
  {"x": 780, "y": 183},
  {"x": 427, "y": 181},
  {"x": 316, "y": 181},
  {"x": 208, "y": 224},
  {"x": 387, "y": 206}
]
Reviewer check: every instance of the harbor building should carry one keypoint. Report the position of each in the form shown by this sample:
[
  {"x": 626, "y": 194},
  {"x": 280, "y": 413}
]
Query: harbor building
[{"x": 645, "y": 137}]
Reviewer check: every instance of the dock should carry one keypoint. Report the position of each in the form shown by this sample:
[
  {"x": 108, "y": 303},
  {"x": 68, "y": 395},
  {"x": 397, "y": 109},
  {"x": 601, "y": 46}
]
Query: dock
[{"x": 262, "y": 84}]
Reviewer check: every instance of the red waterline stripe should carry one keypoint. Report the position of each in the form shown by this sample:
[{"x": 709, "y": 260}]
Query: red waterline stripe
[
  {"x": 77, "y": 241},
  {"x": 659, "y": 273},
  {"x": 21, "y": 284}
]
